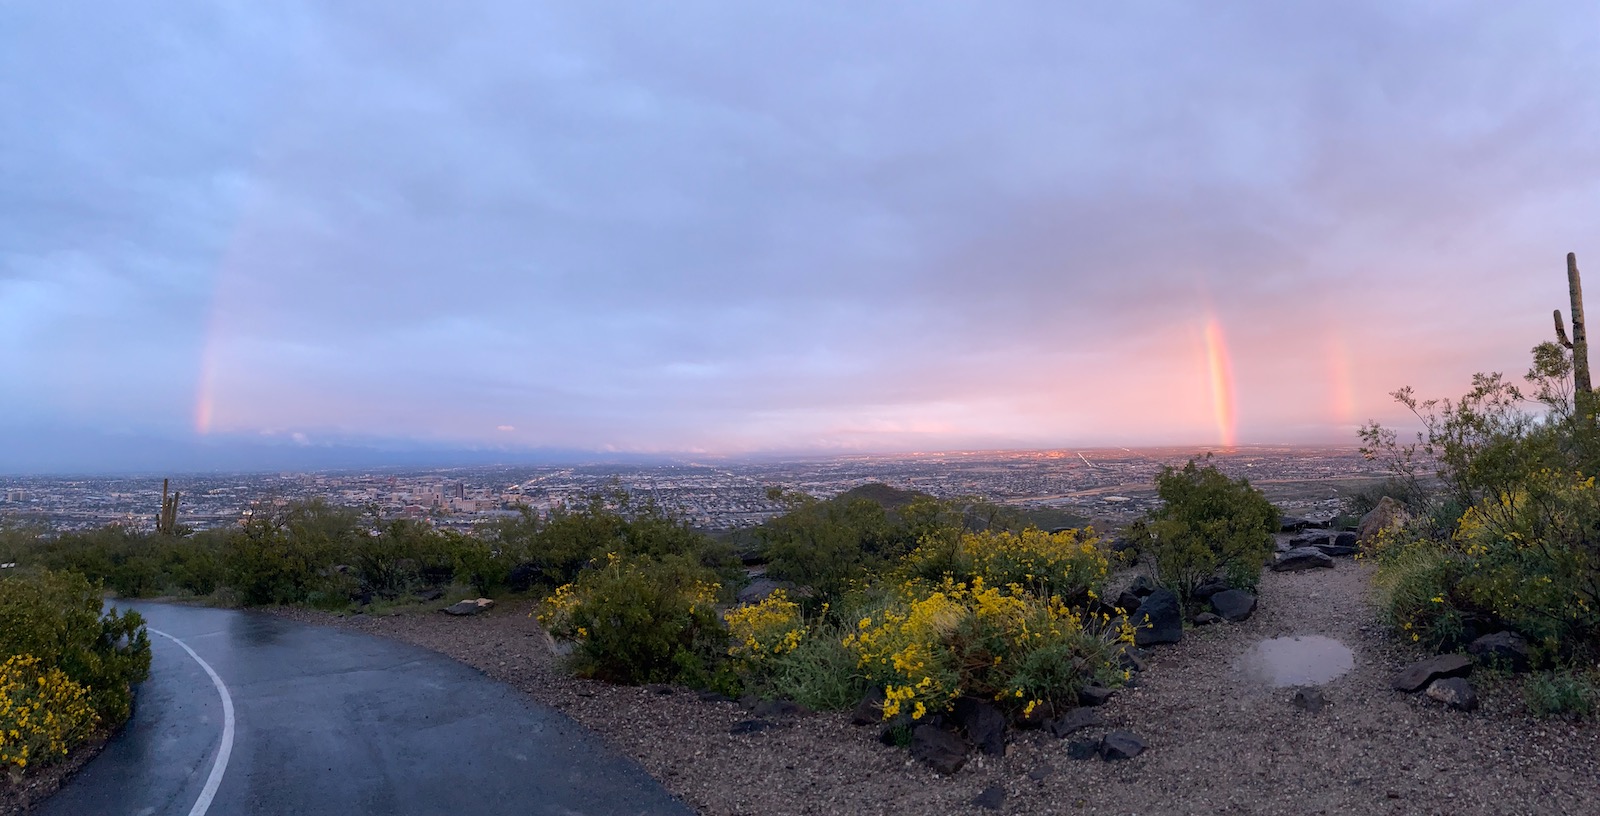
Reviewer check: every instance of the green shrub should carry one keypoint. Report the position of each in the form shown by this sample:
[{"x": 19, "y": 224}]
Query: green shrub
[
  {"x": 1562, "y": 694},
  {"x": 57, "y": 618},
  {"x": 640, "y": 620},
  {"x": 1418, "y": 591},
  {"x": 830, "y": 546},
  {"x": 1208, "y": 524}
]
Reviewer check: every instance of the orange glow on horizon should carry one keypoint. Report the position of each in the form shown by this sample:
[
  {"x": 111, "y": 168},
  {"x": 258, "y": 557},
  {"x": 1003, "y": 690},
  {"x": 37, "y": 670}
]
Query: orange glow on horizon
[{"x": 1221, "y": 367}]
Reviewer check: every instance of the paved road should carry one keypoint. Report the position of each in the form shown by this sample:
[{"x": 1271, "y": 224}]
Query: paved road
[{"x": 333, "y": 722}]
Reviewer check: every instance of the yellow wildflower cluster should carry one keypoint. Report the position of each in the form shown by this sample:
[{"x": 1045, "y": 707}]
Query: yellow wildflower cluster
[
  {"x": 772, "y": 627},
  {"x": 960, "y": 638},
  {"x": 43, "y": 713},
  {"x": 1065, "y": 563}
]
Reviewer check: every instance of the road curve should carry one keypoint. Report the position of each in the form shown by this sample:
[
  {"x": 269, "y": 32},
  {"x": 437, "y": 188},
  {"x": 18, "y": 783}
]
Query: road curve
[{"x": 334, "y": 722}]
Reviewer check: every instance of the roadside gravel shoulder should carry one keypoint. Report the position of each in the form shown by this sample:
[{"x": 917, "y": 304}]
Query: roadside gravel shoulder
[{"x": 1219, "y": 742}]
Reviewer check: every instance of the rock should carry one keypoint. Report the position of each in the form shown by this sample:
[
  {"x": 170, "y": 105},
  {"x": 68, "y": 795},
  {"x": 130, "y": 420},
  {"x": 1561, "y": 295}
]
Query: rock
[
  {"x": 1132, "y": 658},
  {"x": 1040, "y": 717},
  {"x": 992, "y": 798},
  {"x": 1209, "y": 588},
  {"x": 1507, "y": 650},
  {"x": 1293, "y": 524},
  {"x": 1389, "y": 513},
  {"x": 1094, "y": 695},
  {"x": 870, "y": 709},
  {"x": 658, "y": 688},
  {"x": 1345, "y": 539},
  {"x": 1073, "y": 721},
  {"x": 469, "y": 607},
  {"x": 1454, "y": 692},
  {"x": 1083, "y": 748},
  {"x": 712, "y": 697},
  {"x": 1159, "y": 619},
  {"x": 1206, "y": 619},
  {"x": 1041, "y": 773},
  {"x": 1302, "y": 558},
  {"x": 939, "y": 749},
  {"x": 779, "y": 708},
  {"x": 1308, "y": 699},
  {"x": 433, "y": 594},
  {"x": 1419, "y": 674},
  {"x": 1142, "y": 586},
  {"x": 1235, "y": 605},
  {"x": 1311, "y": 540},
  {"x": 1127, "y": 601},
  {"x": 1336, "y": 550},
  {"x": 1121, "y": 745},
  {"x": 984, "y": 725},
  {"x": 758, "y": 589},
  {"x": 750, "y": 726}
]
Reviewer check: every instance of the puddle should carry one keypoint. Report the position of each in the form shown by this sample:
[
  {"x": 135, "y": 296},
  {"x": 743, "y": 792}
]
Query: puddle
[{"x": 1308, "y": 660}]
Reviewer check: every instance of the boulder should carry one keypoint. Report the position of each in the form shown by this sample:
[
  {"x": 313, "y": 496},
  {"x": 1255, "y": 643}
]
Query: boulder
[
  {"x": 870, "y": 710},
  {"x": 759, "y": 588},
  {"x": 1421, "y": 673},
  {"x": 1389, "y": 513},
  {"x": 1345, "y": 539},
  {"x": 1301, "y": 558},
  {"x": 658, "y": 688},
  {"x": 1206, "y": 619},
  {"x": 709, "y": 696},
  {"x": 1127, "y": 601},
  {"x": 1308, "y": 699},
  {"x": 432, "y": 594},
  {"x": 1209, "y": 588},
  {"x": 939, "y": 749},
  {"x": 1143, "y": 586},
  {"x": 983, "y": 724},
  {"x": 1234, "y": 606},
  {"x": 1336, "y": 550},
  {"x": 1083, "y": 748},
  {"x": 1094, "y": 695},
  {"x": 1507, "y": 650},
  {"x": 1454, "y": 692},
  {"x": 1039, "y": 717},
  {"x": 1073, "y": 721},
  {"x": 1310, "y": 540},
  {"x": 991, "y": 799},
  {"x": 1293, "y": 524},
  {"x": 469, "y": 607},
  {"x": 1120, "y": 745},
  {"x": 1159, "y": 619}
]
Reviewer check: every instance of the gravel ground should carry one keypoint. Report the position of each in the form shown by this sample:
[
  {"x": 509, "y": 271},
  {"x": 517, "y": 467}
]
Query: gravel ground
[{"x": 1219, "y": 742}]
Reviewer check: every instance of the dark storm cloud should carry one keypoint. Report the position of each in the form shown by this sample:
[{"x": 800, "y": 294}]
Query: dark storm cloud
[{"x": 768, "y": 226}]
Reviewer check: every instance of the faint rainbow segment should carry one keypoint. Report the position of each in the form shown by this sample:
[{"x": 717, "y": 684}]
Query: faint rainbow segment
[{"x": 1221, "y": 369}]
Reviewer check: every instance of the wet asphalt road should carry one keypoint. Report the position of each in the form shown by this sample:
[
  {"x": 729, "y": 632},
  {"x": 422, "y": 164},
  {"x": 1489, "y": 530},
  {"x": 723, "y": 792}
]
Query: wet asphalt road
[{"x": 333, "y": 722}]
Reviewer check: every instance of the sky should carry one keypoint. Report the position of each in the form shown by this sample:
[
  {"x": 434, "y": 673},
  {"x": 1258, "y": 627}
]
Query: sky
[{"x": 232, "y": 231}]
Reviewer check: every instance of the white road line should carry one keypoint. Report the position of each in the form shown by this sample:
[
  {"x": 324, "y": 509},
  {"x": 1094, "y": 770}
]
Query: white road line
[{"x": 219, "y": 766}]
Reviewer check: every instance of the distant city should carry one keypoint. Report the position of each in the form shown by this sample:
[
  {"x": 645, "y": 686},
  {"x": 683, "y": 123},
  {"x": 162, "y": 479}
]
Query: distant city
[{"x": 1108, "y": 485}]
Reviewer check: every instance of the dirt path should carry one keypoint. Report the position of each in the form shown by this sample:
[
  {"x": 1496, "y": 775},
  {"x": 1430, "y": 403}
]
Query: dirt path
[{"x": 1219, "y": 742}]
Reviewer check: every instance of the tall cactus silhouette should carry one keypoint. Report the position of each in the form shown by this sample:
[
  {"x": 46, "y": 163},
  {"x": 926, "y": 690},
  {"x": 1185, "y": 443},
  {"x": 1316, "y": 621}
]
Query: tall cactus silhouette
[
  {"x": 1582, "y": 387},
  {"x": 167, "y": 521}
]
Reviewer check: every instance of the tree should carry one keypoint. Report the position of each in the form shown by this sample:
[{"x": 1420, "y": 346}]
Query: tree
[{"x": 1208, "y": 524}]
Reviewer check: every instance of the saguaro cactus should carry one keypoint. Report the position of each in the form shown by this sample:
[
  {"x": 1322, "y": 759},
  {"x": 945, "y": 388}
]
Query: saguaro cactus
[
  {"x": 167, "y": 521},
  {"x": 1582, "y": 387}
]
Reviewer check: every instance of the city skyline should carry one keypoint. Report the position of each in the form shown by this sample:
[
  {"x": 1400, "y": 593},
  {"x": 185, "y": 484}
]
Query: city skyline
[{"x": 245, "y": 238}]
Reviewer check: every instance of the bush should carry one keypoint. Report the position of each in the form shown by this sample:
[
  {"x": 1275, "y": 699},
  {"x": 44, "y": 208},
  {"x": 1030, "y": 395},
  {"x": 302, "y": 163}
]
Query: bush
[
  {"x": 1208, "y": 525},
  {"x": 1418, "y": 592},
  {"x": 43, "y": 714},
  {"x": 56, "y": 618},
  {"x": 1562, "y": 694},
  {"x": 828, "y": 546},
  {"x": 639, "y": 620},
  {"x": 777, "y": 653},
  {"x": 1004, "y": 644},
  {"x": 1067, "y": 564}
]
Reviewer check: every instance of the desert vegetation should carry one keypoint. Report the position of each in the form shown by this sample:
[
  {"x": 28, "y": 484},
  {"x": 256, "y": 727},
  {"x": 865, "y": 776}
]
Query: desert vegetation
[{"x": 1502, "y": 530}]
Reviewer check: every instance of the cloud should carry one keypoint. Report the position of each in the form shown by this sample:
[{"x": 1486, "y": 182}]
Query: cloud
[{"x": 765, "y": 227}]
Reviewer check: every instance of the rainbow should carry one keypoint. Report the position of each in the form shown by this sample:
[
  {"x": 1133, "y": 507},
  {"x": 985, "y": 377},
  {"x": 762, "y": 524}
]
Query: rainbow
[
  {"x": 1221, "y": 369},
  {"x": 1339, "y": 380}
]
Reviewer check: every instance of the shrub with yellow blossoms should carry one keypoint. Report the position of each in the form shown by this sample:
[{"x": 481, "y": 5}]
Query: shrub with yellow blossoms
[
  {"x": 1066, "y": 564},
  {"x": 43, "y": 714},
  {"x": 772, "y": 627},
  {"x": 940, "y": 642}
]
